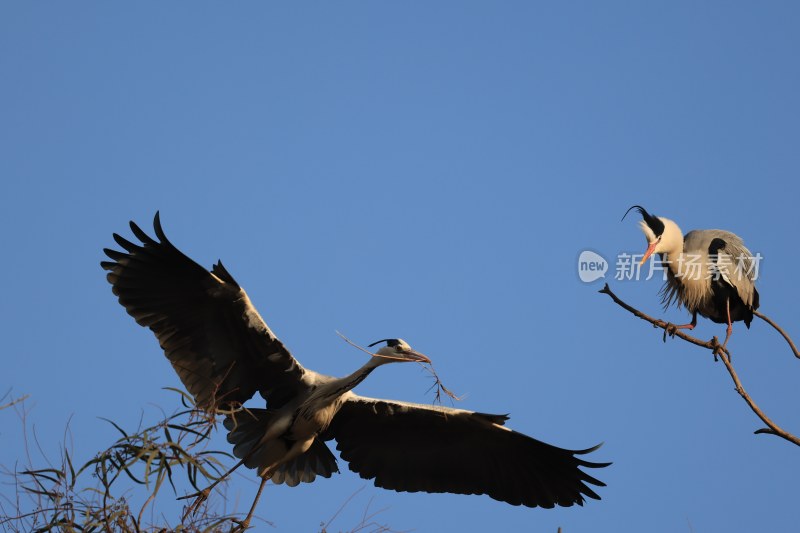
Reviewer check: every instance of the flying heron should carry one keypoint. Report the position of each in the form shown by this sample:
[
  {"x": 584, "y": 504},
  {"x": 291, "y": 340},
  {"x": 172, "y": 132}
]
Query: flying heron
[{"x": 224, "y": 353}]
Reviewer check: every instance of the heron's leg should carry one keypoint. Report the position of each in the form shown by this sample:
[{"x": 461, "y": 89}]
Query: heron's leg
[
  {"x": 244, "y": 524},
  {"x": 730, "y": 324},
  {"x": 690, "y": 326}
]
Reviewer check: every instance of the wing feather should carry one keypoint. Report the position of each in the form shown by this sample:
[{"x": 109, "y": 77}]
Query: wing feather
[
  {"x": 735, "y": 265},
  {"x": 412, "y": 447},
  {"x": 215, "y": 339}
]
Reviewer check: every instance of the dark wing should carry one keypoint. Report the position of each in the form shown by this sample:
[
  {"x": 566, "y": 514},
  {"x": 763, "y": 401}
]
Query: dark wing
[
  {"x": 211, "y": 333},
  {"x": 411, "y": 447},
  {"x": 733, "y": 263}
]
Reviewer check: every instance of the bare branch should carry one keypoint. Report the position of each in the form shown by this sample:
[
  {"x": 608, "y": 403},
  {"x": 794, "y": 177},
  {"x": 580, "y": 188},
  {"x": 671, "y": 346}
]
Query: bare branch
[
  {"x": 780, "y": 330},
  {"x": 718, "y": 350},
  {"x": 367, "y": 518},
  {"x": 341, "y": 507},
  {"x": 12, "y": 402}
]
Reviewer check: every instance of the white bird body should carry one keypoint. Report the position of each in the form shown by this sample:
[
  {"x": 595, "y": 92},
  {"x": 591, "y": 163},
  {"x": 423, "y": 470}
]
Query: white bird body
[{"x": 709, "y": 272}]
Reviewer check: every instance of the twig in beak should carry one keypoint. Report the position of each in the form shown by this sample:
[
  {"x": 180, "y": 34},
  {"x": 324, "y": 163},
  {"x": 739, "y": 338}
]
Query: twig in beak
[
  {"x": 351, "y": 343},
  {"x": 440, "y": 388}
]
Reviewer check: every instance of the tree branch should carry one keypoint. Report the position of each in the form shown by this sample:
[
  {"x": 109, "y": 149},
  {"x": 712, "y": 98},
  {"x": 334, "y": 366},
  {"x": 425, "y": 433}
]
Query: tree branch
[
  {"x": 13, "y": 402},
  {"x": 718, "y": 350},
  {"x": 779, "y": 330}
]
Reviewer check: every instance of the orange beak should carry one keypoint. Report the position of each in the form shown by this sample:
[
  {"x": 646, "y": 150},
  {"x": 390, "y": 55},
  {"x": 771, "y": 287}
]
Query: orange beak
[{"x": 650, "y": 249}]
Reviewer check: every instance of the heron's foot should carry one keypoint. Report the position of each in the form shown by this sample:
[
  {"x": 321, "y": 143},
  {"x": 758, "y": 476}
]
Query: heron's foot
[
  {"x": 717, "y": 348},
  {"x": 672, "y": 329},
  {"x": 725, "y": 345},
  {"x": 669, "y": 330}
]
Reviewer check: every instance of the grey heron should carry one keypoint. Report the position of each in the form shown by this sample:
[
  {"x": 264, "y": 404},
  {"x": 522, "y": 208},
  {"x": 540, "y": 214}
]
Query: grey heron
[
  {"x": 710, "y": 271},
  {"x": 224, "y": 353}
]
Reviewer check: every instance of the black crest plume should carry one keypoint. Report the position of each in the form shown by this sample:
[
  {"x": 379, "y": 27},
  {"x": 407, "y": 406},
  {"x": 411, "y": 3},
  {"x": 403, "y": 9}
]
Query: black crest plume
[
  {"x": 652, "y": 221},
  {"x": 389, "y": 342}
]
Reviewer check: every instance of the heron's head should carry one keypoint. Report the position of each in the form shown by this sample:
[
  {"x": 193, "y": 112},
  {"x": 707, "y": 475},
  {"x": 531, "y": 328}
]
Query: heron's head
[
  {"x": 663, "y": 235},
  {"x": 398, "y": 350}
]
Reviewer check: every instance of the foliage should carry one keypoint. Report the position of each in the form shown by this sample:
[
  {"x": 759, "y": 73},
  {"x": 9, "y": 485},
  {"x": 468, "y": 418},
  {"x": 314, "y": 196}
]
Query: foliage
[
  {"x": 93, "y": 496},
  {"x": 120, "y": 487}
]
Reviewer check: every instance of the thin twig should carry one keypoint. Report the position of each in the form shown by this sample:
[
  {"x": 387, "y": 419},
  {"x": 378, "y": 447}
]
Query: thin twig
[
  {"x": 367, "y": 517},
  {"x": 718, "y": 350},
  {"x": 440, "y": 388},
  {"x": 351, "y": 343},
  {"x": 341, "y": 507},
  {"x": 12, "y": 402},
  {"x": 39, "y": 511},
  {"x": 780, "y": 330}
]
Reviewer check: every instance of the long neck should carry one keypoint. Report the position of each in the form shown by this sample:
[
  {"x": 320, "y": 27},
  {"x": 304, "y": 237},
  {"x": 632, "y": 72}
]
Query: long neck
[
  {"x": 671, "y": 246},
  {"x": 338, "y": 387},
  {"x": 673, "y": 253}
]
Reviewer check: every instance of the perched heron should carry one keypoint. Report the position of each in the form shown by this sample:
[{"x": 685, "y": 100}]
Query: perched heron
[
  {"x": 224, "y": 353},
  {"x": 710, "y": 271}
]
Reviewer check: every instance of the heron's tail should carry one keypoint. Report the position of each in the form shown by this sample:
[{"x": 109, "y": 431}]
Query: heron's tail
[{"x": 245, "y": 430}]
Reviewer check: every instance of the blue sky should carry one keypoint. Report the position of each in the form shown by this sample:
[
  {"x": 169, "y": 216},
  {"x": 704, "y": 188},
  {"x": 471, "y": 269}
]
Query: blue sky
[{"x": 428, "y": 171}]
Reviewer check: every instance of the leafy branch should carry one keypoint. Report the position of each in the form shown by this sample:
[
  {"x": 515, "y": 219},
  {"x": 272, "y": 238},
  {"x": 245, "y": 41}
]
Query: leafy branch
[
  {"x": 119, "y": 486},
  {"x": 95, "y": 496}
]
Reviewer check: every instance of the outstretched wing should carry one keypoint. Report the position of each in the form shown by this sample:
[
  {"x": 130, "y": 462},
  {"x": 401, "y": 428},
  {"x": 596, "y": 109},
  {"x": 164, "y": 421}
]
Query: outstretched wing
[
  {"x": 215, "y": 339},
  {"x": 411, "y": 447}
]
